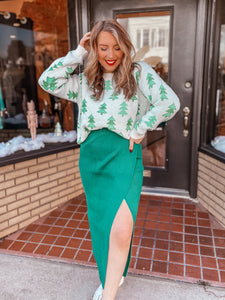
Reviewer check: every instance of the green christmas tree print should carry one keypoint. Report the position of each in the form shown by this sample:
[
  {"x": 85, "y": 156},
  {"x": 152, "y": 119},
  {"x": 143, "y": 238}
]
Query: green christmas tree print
[
  {"x": 102, "y": 109},
  {"x": 68, "y": 72},
  {"x": 50, "y": 83},
  {"x": 56, "y": 66},
  {"x": 79, "y": 140},
  {"x": 80, "y": 75},
  {"x": 129, "y": 124},
  {"x": 111, "y": 123},
  {"x": 87, "y": 130},
  {"x": 91, "y": 122},
  {"x": 150, "y": 80},
  {"x": 163, "y": 93},
  {"x": 151, "y": 121},
  {"x": 108, "y": 86},
  {"x": 137, "y": 124},
  {"x": 134, "y": 98},
  {"x": 114, "y": 96},
  {"x": 151, "y": 107},
  {"x": 60, "y": 64},
  {"x": 72, "y": 95},
  {"x": 61, "y": 85},
  {"x": 123, "y": 109},
  {"x": 84, "y": 106},
  {"x": 138, "y": 110},
  {"x": 170, "y": 111},
  {"x": 137, "y": 77},
  {"x": 150, "y": 98}
]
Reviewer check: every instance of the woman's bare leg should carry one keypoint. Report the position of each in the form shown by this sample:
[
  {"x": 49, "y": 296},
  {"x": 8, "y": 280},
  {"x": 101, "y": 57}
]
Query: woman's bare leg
[{"x": 119, "y": 245}]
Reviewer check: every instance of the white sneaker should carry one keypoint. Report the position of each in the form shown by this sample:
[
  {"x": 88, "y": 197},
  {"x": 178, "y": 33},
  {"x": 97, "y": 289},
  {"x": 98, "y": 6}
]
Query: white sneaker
[
  {"x": 121, "y": 281},
  {"x": 98, "y": 292}
]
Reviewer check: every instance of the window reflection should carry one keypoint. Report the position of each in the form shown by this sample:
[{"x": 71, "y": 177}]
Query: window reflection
[
  {"x": 17, "y": 72},
  {"x": 149, "y": 33},
  {"x": 32, "y": 34},
  {"x": 219, "y": 132}
]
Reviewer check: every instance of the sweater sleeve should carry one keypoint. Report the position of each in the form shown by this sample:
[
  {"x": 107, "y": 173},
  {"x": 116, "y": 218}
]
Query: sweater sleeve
[
  {"x": 164, "y": 103},
  {"x": 57, "y": 80}
]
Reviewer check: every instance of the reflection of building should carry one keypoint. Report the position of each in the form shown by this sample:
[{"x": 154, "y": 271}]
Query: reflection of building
[
  {"x": 18, "y": 71},
  {"x": 150, "y": 37},
  {"x": 220, "y": 105},
  {"x": 26, "y": 53},
  {"x": 152, "y": 31}
]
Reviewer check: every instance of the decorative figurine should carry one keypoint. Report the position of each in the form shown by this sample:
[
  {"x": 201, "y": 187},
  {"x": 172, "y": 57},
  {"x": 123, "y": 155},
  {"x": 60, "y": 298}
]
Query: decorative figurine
[
  {"x": 58, "y": 112},
  {"x": 58, "y": 129},
  {"x": 45, "y": 118},
  {"x": 32, "y": 119}
]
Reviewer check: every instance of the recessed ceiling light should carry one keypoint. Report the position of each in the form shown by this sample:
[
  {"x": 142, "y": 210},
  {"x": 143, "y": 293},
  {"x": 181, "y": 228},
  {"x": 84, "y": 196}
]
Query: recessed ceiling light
[{"x": 12, "y": 36}]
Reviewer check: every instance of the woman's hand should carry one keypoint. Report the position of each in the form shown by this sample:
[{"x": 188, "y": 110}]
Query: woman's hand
[
  {"x": 136, "y": 141},
  {"x": 85, "y": 41}
]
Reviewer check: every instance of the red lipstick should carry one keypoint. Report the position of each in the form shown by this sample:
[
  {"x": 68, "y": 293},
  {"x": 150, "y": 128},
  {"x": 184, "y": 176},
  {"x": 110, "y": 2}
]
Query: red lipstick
[{"x": 110, "y": 62}]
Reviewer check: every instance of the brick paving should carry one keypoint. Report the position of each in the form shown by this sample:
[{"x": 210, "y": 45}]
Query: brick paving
[{"x": 173, "y": 238}]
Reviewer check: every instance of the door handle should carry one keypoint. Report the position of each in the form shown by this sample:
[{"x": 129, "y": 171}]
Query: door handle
[{"x": 186, "y": 112}]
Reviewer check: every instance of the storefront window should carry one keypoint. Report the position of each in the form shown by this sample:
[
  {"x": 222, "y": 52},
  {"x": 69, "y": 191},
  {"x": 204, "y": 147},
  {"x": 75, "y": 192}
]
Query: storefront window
[
  {"x": 218, "y": 104},
  {"x": 33, "y": 33}
]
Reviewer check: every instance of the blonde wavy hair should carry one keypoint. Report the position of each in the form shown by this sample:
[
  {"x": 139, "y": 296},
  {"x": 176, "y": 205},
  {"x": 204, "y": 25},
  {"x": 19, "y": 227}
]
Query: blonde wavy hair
[{"x": 123, "y": 75}]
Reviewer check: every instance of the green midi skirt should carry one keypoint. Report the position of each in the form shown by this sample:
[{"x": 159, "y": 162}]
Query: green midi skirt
[{"x": 110, "y": 173}]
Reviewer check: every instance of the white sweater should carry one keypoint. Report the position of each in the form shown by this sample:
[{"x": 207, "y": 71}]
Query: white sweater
[{"x": 154, "y": 102}]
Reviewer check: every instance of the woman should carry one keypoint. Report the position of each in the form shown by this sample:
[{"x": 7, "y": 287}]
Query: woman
[{"x": 118, "y": 102}]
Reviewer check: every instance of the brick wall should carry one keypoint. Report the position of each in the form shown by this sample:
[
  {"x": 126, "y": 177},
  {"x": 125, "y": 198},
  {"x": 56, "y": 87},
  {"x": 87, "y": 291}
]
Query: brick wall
[
  {"x": 31, "y": 189},
  {"x": 211, "y": 186}
]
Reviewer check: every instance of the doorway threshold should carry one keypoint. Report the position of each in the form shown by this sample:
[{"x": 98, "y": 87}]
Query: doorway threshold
[{"x": 163, "y": 191}]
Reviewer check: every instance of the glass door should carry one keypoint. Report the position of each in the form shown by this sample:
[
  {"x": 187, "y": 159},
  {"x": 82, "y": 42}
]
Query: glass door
[
  {"x": 150, "y": 35},
  {"x": 163, "y": 33}
]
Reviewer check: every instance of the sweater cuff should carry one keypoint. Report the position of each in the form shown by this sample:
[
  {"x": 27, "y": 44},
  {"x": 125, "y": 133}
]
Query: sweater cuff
[
  {"x": 80, "y": 52},
  {"x": 135, "y": 135}
]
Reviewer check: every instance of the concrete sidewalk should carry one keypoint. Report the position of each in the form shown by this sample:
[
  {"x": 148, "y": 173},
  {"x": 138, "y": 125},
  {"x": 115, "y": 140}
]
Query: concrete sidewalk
[{"x": 24, "y": 278}]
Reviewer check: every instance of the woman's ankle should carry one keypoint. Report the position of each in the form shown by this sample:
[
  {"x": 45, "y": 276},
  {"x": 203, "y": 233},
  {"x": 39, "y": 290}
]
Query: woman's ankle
[{"x": 107, "y": 297}]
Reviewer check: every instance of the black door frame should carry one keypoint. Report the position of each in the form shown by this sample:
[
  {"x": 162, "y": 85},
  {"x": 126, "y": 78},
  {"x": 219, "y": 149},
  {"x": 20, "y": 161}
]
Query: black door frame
[{"x": 80, "y": 21}]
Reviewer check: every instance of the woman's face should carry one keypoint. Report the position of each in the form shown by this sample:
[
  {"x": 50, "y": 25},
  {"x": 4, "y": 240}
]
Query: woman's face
[{"x": 109, "y": 53}]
